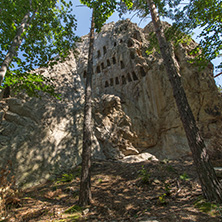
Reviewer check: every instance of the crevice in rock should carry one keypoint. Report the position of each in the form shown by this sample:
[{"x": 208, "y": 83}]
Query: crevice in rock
[
  {"x": 123, "y": 80},
  {"x": 134, "y": 76},
  {"x": 84, "y": 74},
  {"x": 132, "y": 55},
  {"x": 114, "y": 60},
  {"x": 111, "y": 82},
  {"x": 104, "y": 50},
  {"x": 106, "y": 84},
  {"x": 130, "y": 43},
  {"x": 102, "y": 65},
  {"x": 129, "y": 77},
  {"x": 117, "y": 80},
  {"x": 142, "y": 71},
  {"x": 98, "y": 69},
  {"x": 122, "y": 65},
  {"x": 108, "y": 62},
  {"x": 98, "y": 53},
  {"x": 136, "y": 35}
]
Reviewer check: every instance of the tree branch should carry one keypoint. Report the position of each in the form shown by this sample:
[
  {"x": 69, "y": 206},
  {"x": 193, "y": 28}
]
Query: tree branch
[{"x": 218, "y": 74}]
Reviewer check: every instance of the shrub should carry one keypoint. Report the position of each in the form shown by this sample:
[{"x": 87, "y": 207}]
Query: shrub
[{"x": 144, "y": 175}]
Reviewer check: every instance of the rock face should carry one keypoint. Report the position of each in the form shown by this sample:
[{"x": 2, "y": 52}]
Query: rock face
[
  {"x": 134, "y": 110},
  {"x": 123, "y": 69},
  {"x": 43, "y": 137}
]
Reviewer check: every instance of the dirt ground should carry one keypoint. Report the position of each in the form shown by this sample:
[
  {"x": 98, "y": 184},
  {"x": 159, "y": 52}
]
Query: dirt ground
[{"x": 146, "y": 191}]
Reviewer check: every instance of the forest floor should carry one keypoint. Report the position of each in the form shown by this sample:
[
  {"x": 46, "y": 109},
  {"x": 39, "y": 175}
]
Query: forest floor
[{"x": 146, "y": 191}]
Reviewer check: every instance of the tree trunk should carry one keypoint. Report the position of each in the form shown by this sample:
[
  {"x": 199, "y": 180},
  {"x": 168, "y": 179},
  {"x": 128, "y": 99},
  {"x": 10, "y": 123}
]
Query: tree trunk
[
  {"x": 16, "y": 43},
  {"x": 211, "y": 187},
  {"x": 85, "y": 195}
]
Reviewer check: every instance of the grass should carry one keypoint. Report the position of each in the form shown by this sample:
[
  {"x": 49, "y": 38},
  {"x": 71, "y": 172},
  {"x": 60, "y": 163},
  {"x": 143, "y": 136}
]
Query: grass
[
  {"x": 75, "y": 212},
  {"x": 210, "y": 208},
  {"x": 68, "y": 177},
  {"x": 73, "y": 209},
  {"x": 72, "y": 218},
  {"x": 184, "y": 177}
]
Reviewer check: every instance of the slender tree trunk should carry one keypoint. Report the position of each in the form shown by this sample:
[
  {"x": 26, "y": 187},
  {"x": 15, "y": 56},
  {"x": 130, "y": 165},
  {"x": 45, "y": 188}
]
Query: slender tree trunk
[
  {"x": 85, "y": 195},
  {"x": 211, "y": 187},
  {"x": 16, "y": 43}
]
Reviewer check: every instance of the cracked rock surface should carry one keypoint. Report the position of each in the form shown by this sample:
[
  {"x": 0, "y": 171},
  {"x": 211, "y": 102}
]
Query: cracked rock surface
[{"x": 133, "y": 108}]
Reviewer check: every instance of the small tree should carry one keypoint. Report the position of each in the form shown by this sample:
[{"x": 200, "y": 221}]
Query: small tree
[
  {"x": 85, "y": 195},
  {"x": 38, "y": 30},
  {"x": 101, "y": 11}
]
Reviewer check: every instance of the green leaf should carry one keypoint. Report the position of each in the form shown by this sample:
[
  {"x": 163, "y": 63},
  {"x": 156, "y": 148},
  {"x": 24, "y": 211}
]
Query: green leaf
[{"x": 50, "y": 33}]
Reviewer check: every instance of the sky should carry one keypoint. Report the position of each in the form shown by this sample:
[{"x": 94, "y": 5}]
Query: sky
[{"x": 83, "y": 16}]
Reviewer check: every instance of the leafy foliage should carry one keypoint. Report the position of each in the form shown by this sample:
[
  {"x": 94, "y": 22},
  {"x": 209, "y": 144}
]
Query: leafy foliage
[
  {"x": 68, "y": 177},
  {"x": 162, "y": 199},
  {"x": 73, "y": 209},
  {"x": 30, "y": 83},
  {"x": 104, "y": 9},
  {"x": 187, "y": 17},
  {"x": 219, "y": 88},
  {"x": 205, "y": 15},
  {"x": 184, "y": 177},
  {"x": 209, "y": 208},
  {"x": 167, "y": 188},
  {"x": 47, "y": 40},
  {"x": 173, "y": 34},
  {"x": 141, "y": 7},
  {"x": 144, "y": 175}
]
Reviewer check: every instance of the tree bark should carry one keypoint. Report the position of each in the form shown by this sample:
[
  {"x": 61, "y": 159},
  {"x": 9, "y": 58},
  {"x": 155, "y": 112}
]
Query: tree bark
[
  {"x": 211, "y": 187},
  {"x": 85, "y": 195},
  {"x": 16, "y": 43}
]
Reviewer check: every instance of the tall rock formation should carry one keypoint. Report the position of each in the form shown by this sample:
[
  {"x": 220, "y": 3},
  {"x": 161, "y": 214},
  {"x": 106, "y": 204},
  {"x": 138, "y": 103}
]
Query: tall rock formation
[{"x": 134, "y": 110}]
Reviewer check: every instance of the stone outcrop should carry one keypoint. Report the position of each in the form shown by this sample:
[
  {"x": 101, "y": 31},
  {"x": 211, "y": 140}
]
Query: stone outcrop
[
  {"x": 134, "y": 110},
  {"x": 123, "y": 68},
  {"x": 113, "y": 128},
  {"x": 42, "y": 137}
]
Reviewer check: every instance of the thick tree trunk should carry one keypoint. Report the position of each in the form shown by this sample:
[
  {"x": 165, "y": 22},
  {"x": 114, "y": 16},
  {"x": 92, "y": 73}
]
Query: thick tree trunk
[
  {"x": 16, "y": 43},
  {"x": 211, "y": 187},
  {"x": 85, "y": 195}
]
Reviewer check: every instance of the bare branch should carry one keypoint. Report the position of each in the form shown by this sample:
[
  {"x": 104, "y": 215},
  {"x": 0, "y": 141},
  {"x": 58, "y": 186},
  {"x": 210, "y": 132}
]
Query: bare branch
[{"x": 218, "y": 74}]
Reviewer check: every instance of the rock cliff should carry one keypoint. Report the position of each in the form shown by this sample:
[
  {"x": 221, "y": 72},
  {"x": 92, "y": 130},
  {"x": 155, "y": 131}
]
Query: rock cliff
[{"x": 134, "y": 110}]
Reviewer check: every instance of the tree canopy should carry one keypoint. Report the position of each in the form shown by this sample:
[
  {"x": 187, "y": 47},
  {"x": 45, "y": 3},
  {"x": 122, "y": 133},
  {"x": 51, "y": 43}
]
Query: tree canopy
[
  {"x": 104, "y": 9},
  {"x": 206, "y": 16},
  {"x": 203, "y": 16},
  {"x": 47, "y": 36}
]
